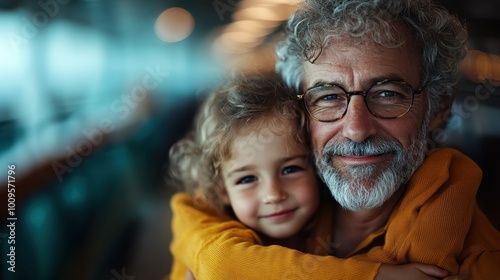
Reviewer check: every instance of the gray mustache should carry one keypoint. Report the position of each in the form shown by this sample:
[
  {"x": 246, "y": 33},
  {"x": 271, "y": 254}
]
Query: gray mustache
[{"x": 366, "y": 148}]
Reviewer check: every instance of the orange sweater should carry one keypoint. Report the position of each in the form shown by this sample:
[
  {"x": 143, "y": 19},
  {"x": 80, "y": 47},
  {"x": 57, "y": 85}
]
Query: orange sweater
[
  {"x": 437, "y": 222},
  {"x": 216, "y": 247}
]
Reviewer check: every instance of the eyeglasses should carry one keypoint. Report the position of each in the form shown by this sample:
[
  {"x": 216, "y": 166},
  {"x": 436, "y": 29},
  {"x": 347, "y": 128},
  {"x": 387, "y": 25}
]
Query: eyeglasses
[{"x": 387, "y": 99}]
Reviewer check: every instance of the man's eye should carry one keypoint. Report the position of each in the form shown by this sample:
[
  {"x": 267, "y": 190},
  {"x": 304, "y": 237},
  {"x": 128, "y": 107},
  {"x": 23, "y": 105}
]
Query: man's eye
[
  {"x": 246, "y": 180},
  {"x": 329, "y": 100},
  {"x": 330, "y": 97},
  {"x": 325, "y": 96},
  {"x": 388, "y": 93},
  {"x": 291, "y": 169}
]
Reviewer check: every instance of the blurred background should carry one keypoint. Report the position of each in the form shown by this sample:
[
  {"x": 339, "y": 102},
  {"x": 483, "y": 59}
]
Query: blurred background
[{"x": 93, "y": 93}]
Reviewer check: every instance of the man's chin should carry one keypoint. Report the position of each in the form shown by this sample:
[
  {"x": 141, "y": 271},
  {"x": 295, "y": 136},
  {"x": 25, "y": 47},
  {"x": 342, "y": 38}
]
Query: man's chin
[
  {"x": 354, "y": 203},
  {"x": 358, "y": 193}
]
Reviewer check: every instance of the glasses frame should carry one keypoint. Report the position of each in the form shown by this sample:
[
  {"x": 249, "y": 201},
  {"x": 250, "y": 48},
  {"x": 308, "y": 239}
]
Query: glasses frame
[{"x": 362, "y": 93}]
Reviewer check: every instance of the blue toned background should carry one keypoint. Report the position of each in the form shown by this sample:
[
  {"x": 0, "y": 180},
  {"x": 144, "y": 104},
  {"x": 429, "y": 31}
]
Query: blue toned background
[{"x": 93, "y": 93}]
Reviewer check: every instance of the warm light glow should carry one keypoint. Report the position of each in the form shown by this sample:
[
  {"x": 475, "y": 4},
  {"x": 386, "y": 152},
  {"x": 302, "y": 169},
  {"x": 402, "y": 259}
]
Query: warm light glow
[
  {"x": 235, "y": 42},
  {"x": 174, "y": 24},
  {"x": 253, "y": 23},
  {"x": 261, "y": 13},
  {"x": 247, "y": 3},
  {"x": 495, "y": 68},
  {"x": 289, "y": 2},
  {"x": 479, "y": 66},
  {"x": 259, "y": 28},
  {"x": 239, "y": 37},
  {"x": 232, "y": 45},
  {"x": 483, "y": 66},
  {"x": 224, "y": 48},
  {"x": 281, "y": 10}
]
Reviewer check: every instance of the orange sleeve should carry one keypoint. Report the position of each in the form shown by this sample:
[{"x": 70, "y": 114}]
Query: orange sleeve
[
  {"x": 432, "y": 220},
  {"x": 216, "y": 248},
  {"x": 436, "y": 221},
  {"x": 481, "y": 256}
]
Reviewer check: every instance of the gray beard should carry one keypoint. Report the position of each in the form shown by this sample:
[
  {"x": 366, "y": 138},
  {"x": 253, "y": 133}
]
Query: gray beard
[{"x": 365, "y": 187}]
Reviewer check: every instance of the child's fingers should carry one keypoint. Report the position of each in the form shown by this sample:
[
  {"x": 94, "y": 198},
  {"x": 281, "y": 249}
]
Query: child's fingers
[{"x": 432, "y": 270}]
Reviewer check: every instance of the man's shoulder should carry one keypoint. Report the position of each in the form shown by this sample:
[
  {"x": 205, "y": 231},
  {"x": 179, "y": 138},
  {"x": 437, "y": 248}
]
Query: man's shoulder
[
  {"x": 454, "y": 162},
  {"x": 444, "y": 170}
]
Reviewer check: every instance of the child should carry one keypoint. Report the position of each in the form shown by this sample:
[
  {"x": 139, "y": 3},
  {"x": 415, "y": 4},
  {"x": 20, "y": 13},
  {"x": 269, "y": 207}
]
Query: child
[{"x": 247, "y": 157}]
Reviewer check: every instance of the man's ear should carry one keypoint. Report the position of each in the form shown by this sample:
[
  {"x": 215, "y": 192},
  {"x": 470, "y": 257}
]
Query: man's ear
[{"x": 442, "y": 114}]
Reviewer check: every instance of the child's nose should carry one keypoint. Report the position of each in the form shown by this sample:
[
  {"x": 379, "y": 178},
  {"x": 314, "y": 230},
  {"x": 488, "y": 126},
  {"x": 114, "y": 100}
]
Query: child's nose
[{"x": 274, "y": 193}]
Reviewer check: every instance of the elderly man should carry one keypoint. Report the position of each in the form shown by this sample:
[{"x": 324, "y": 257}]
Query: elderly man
[{"x": 375, "y": 77}]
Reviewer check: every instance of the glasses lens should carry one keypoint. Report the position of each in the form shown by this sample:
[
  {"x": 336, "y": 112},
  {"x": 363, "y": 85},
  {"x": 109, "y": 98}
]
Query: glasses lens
[
  {"x": 326, "y": 103},
  {"x": 389, "y": 99}
]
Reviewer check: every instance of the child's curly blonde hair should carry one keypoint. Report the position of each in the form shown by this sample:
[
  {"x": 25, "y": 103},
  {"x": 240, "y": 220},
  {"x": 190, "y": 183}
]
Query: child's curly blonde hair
[{"x": 242, "y": 106}]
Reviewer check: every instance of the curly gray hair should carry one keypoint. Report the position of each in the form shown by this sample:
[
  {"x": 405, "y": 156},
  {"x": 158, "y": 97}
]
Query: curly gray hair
[{"x": 439, "y": 36}]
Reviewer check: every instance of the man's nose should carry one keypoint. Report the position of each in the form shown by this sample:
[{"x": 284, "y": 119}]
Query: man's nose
[{"x": 358, "y": 122}]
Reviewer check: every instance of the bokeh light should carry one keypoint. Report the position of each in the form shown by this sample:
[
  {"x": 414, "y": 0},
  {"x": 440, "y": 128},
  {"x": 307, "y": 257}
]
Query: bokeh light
[
  {"x": 480, "y": 66},
  {"x": 174, "y": 25}
]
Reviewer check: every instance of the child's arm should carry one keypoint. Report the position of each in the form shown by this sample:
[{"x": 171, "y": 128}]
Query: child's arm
[{"x": 216, "y": 248}]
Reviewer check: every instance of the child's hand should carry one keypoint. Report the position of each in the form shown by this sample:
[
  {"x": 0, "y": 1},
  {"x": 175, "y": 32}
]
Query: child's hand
[
  {"x": 189, "y": 275},
  {"x": 413, "y": 271}
]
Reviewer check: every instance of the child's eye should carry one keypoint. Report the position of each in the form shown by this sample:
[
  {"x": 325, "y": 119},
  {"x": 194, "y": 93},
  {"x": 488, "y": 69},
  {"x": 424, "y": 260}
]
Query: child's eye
[
  {"x": 246, "y": 180},
  {"x": 291, "y": 169}
]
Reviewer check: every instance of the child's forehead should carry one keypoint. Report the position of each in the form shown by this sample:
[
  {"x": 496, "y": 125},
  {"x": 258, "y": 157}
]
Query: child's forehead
[
  {"x": 263, "y": 131},
  {"x": 273, "y": 142},
  {"x": 266, "y": 125}
]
